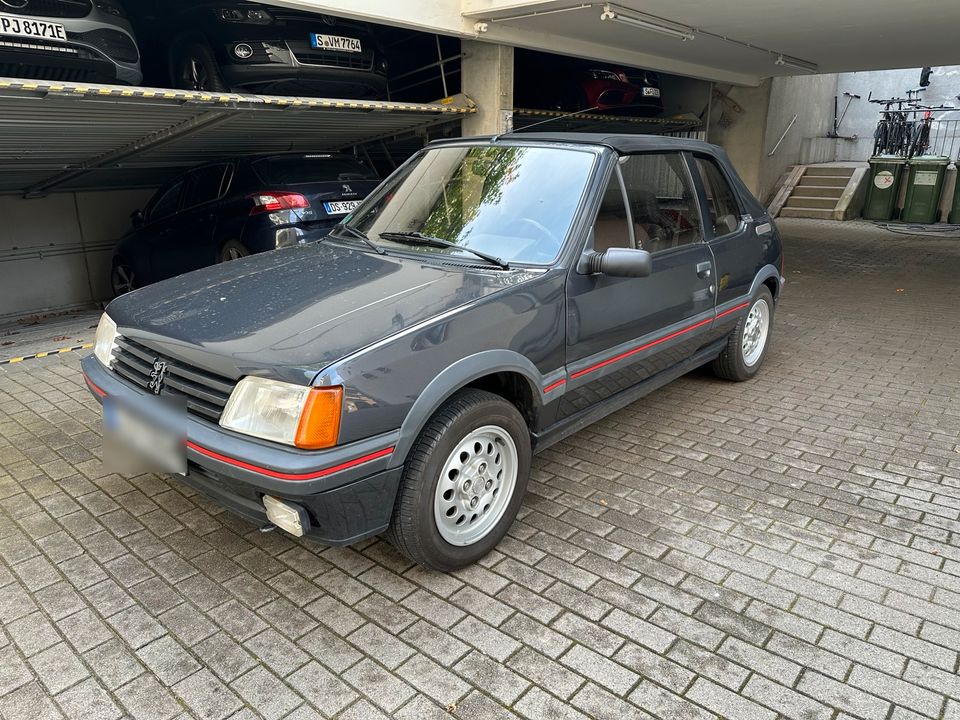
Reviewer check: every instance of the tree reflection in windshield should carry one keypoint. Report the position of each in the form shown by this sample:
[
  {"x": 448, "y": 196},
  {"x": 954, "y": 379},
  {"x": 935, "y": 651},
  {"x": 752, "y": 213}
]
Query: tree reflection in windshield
[{"x": 514, "y": 202}]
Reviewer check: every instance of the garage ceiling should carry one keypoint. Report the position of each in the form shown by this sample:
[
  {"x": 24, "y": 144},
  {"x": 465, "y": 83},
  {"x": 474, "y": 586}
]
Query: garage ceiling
[
  {"x": 835, "y": 35},
  {"x": 60, "y": 136}
]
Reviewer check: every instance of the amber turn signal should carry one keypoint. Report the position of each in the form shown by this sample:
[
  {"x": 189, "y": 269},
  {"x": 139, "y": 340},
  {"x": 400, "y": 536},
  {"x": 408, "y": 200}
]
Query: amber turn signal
[{"x": 320, "y": 419}]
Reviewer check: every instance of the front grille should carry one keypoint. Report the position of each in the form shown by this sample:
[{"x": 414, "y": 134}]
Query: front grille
[
  {"x": 54, "y": 8},
  {"x": 206, "y": 394},
  {"x": 308, "y": 55},
  {"x": 112, "y": 43}
]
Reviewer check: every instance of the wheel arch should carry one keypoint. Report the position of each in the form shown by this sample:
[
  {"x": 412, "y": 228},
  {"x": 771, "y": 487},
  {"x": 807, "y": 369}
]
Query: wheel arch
[
  {"x": 769, "y": 277},
  {"x": 501, "y": 372}
]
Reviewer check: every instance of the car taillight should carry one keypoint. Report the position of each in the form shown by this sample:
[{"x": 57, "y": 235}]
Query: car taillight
[{"x": 272, "y": 201}]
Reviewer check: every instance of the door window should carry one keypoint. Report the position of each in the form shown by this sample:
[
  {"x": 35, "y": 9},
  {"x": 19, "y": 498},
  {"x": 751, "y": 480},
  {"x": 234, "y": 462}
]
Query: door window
[
  {"x": 166, "y": 205},
  {"x": 724, "y": 210},
  {"x": 204, "y": 185},
  {"x": 611, "y": 229},
  {"x": 662, "y": 201}
]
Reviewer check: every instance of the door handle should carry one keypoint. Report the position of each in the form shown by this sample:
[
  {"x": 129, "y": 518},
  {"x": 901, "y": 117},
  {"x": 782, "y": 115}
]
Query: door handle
[{"x": 704, "y": 270}]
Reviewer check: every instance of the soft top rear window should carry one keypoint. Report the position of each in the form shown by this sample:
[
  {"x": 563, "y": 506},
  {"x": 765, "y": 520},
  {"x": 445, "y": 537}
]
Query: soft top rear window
[{"x": 299, "y": 169}]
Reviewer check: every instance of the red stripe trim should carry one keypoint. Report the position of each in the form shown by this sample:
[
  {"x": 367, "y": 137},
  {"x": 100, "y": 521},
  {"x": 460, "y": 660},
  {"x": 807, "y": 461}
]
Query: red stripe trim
[
  {"x": 636, "y": 350},
  {"x": 291, "y": 476},
  {"x": 93, "y": 386},
  {"x": 733, "y": 310},
  {"x": 553, "y": 386}
]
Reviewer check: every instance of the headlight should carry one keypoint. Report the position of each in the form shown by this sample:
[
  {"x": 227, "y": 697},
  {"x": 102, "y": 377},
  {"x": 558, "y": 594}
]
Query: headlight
[
  {"x": 252, "y": 16},
  {"x": 111, "y": 7},
  {"x": 106, "y": 340},
  {"x": 305, "y": 417}
]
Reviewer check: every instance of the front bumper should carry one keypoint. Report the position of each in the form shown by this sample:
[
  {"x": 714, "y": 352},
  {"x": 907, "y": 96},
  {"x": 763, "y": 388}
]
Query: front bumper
[
  {"x": 319, "y": 80},
  {"x": 25, "y": 62},
  {"x": 348, "y": 491}
]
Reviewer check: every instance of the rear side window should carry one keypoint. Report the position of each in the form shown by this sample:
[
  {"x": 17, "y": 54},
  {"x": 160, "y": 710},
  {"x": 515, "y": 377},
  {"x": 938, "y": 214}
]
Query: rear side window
[
  {"x": 166, "y": 205},
  {"x": 299, "y": 169},
  {"x": 724, "y": 210},
  {"x": 205, "y": 185},
  {"x": 662, "y": 201}
]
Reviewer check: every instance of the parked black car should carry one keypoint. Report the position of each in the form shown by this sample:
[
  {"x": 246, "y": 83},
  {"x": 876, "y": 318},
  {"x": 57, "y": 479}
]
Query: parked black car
[
  {"x": 248, "y": 46},
  {"x": 68, "y": 41},
  {"x": 490, "y": 298},
  {"x": 233, "y": 208}
]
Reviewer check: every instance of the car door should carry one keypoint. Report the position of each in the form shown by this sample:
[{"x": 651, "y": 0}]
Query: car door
[
  {"x": 159, "y": 224},
  {"x": 189, "y": 242},
  {"x": 731, "y": 236},
  {"x": 621, "y": 331}
]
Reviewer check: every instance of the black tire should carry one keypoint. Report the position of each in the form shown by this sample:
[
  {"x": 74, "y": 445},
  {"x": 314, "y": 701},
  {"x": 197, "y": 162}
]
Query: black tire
[
  {"x": 122, "y": 278},
  {"x": 731, "y": 364},
  {"x": 413, "y": 528},
  {"x": 232, "y": 250},
  {"x": 195, "y": 67}
]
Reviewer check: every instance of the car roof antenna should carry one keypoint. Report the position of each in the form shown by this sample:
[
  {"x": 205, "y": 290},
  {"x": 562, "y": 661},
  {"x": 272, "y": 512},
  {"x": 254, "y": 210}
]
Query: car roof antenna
[{"x": 542, "y": 122}]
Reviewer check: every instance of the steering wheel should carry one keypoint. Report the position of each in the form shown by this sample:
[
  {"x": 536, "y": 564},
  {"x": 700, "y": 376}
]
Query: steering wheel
[{"x": 545, "y": 244}]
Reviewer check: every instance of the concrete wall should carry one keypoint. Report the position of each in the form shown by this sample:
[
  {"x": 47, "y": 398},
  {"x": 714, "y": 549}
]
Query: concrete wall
[
  {"x": 861, "y": 118},
  {"x": 55, "y": 251},
  {"x": 749, "y": 122}
]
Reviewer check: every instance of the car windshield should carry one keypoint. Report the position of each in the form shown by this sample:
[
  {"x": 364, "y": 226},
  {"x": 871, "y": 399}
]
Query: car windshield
[
  {"x": 511, "y": 202},
  {"x": 299, "y": 169}
]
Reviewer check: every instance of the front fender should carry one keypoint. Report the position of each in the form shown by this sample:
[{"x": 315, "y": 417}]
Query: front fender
[{"x": 455, "y": 377}]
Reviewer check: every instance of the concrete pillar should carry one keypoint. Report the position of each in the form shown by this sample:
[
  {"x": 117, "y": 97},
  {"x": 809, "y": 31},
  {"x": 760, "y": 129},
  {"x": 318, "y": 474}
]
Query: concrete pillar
[{"x": 487, "y": 79}]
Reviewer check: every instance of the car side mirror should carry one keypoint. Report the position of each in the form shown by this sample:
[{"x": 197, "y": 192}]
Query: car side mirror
[
  {"x": 136, "y": 217},
  {"x": 620, "y": 262}
]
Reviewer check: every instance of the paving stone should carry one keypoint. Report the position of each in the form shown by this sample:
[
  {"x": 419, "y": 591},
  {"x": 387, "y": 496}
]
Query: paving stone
[
  {"x": 322, "y": 689},
  {"x": 29, "y": 702},
  {"x": 781, "y": 546},
  {"x": 207, "y": 697},
  {"x": 33, "y": 633},
  {"x": 490, "y": 676},
  {"x": 266, "y": 693},
  {"x": 168, "y": 660},
  {"x": 58, "y": 667},
  {"x": 113, "y": 663},
  {"x": 88, "y": 701},
  {"x": 380, "y": 686}
]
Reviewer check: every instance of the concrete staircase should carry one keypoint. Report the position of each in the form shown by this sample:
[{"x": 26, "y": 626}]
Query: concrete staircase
[{"x": 829, "y": 191}]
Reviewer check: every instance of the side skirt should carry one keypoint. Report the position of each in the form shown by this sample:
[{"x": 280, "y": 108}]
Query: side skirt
[{"x": 575, "y": 423}]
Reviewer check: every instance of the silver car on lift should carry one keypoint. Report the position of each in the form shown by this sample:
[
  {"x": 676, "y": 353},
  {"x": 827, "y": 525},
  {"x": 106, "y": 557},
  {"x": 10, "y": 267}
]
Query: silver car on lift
[{"x": 68, "y": 41}]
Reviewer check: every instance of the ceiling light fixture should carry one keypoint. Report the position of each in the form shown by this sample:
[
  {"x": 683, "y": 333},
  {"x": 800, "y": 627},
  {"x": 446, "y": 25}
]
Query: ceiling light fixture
[
  {"x": 796, "y": 63},
  {"x": 648, "y": 22}
]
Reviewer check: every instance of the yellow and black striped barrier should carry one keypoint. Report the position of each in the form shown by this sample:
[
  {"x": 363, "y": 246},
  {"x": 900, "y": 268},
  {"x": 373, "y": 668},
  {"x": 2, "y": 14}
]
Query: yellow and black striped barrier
[
  {"x": 49, "y": 353},
  {"x": 41, "y": 87}
]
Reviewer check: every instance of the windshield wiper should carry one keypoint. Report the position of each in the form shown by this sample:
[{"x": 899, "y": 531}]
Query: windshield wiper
[
  {"x": 360, "y": 235},
  {"x": 417, "y": 238}
]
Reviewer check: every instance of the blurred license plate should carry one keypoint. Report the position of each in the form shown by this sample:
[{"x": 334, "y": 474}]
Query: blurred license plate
[
  {"x": 335, "y": 42},
  {"x": 651, "y": 92},
  {"x": 28, "y": 27},
  {"x": 341, "y": 207},
  {"x": 136, "y": 442}
]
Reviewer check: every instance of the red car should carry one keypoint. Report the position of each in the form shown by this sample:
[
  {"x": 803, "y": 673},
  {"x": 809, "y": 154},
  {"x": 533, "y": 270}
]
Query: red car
[
  {"x": 550, "y": 82},
  {"x": 613, "y": 91}
]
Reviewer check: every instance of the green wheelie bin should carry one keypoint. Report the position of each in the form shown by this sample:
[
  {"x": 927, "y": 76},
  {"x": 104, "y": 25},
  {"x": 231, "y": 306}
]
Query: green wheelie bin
[
  {"x": 955, "y": 212},
  {"x": 884, "y": 188},
  {"x": 924, "y": 185}
]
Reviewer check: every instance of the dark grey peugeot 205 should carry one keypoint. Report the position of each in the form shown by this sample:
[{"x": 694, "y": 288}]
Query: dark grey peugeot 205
[{"x": 491, "y": 297}]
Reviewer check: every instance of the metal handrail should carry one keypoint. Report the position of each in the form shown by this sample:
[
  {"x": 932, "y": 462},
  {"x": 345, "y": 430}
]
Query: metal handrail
[{"x": 770, "y": 154}]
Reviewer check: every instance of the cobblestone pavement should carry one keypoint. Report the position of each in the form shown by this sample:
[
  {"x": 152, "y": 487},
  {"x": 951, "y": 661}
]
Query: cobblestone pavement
[{"x": 786, "y": 547}]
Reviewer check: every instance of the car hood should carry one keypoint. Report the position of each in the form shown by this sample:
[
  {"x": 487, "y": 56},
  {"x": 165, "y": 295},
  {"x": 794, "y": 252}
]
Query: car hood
[{"x": 290, "y": 313}]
